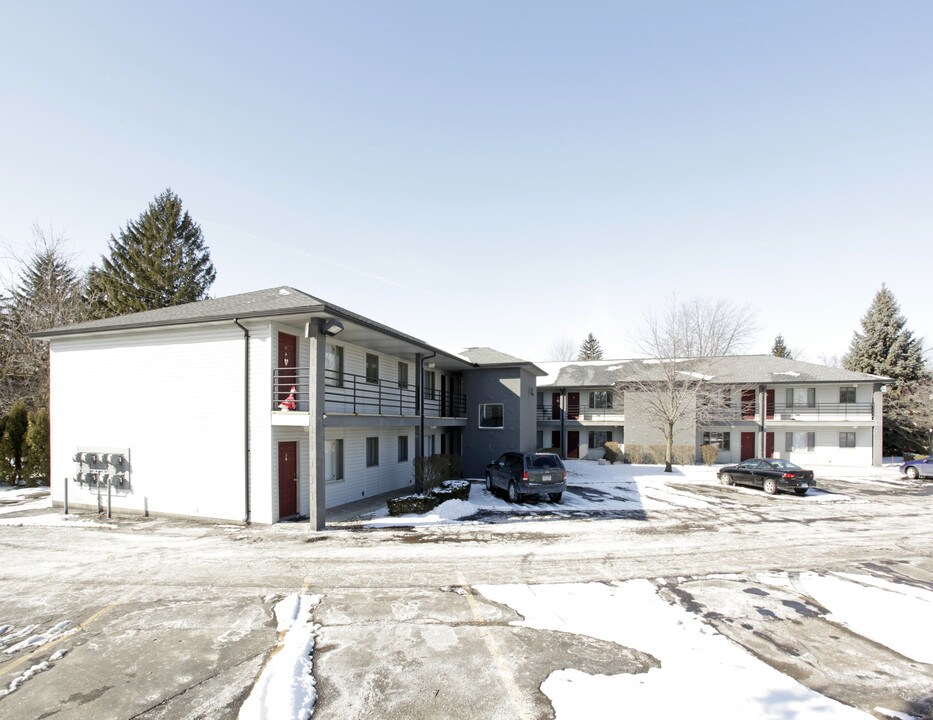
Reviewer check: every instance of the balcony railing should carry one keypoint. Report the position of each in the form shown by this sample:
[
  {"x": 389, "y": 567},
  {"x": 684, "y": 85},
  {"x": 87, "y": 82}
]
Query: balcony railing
[
  {"x": 354, "y": 394},
  {"x": 806, "y": 413},
  {"x": 583, "y": 414}
]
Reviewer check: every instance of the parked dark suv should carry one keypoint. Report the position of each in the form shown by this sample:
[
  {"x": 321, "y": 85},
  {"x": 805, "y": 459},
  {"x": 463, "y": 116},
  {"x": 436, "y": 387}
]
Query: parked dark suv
[{"x": 522, "y": 474}]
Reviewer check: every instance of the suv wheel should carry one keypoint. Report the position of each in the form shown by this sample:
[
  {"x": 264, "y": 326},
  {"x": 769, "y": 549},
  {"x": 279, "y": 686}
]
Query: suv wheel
[
  {"x": 514, "y": 495},
  {"x": 488, "y": 482},
  {"x": 554, "y": 497}
]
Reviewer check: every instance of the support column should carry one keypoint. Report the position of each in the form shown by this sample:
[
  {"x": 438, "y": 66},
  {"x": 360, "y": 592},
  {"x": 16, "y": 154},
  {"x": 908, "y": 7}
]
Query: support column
[
  {"x": 563, "y": 423},
  {"x": 316, "y": 496},
  {"x": 762, "y": 414},
  {"x": 877, "y": 429}
]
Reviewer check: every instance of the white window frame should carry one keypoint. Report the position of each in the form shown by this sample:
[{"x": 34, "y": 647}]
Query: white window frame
[
  {"x": 372, "y": 444},
  {"x": 847, "y": 433}
]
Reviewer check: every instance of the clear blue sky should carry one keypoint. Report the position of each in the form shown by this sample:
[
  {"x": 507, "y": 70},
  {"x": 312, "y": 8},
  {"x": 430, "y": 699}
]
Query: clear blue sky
[{"x": 495, "y": 173}]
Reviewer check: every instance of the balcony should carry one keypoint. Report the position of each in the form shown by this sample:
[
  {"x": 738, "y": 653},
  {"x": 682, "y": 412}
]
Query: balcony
[
  {"x": 355, "y": 395},
  {"x": 583, "y": 414},
  {"x": 818, "y": 412}
]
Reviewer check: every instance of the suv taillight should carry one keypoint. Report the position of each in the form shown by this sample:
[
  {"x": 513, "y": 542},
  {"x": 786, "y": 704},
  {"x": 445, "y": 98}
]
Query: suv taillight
[{"x": 524, "y": 474}]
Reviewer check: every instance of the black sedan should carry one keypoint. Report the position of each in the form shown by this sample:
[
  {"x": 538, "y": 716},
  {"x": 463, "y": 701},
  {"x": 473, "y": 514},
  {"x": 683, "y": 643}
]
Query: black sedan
[{"x": 769, "y": 474}]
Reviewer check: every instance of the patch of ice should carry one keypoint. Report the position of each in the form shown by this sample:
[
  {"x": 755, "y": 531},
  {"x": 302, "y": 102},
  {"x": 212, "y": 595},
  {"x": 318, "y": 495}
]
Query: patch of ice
[
  {"x": 41, "y": 638},
  {"x": 895, "y": 714}
]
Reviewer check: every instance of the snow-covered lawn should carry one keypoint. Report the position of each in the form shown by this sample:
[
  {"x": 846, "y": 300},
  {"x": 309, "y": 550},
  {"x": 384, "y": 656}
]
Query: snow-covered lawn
[
  {"x": 18, "y": 499},
  {"x": 627, "y": 489}
]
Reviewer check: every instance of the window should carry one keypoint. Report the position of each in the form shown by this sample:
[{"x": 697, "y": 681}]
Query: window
[
  {"x": 372, "y": 451},
  {"x": 403, "y": 374},
  {"x": 601, "y": 399},
  {"x": 372, "y": 368},
  {"x": 491, "y": 415},
  {"x": 722, "y": 440},
  {"x": 801, "y": 397},
  {"x": 333, "y": 460},
  {"x": 847, "y": 439},
  {"x": 402, "y": 448},
  {"x": 847, "y": 395},
  {"x": 333, "y": 365},
  {"x": 539, "y": 439},
  {"x": 799, "y": 441},
  {"x": 430, "y": 384},
  {"x": 598, "y": 438}
]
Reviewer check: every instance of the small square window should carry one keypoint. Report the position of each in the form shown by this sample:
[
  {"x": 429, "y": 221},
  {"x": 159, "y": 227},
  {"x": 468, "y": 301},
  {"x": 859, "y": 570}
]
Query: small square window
[
  {"x": 847, "y": 394},
  {"x": 847, "y": 439},
  {"x": 491, "y": 415}
]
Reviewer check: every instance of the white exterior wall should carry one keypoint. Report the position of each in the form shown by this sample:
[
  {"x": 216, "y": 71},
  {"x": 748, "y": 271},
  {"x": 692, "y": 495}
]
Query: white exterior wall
[
  {"x": 826, "y": 450},
  {"x": 173, "y": 398}
]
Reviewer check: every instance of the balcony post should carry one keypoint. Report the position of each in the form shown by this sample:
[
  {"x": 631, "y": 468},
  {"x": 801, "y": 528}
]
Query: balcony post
[
  {"x": 877, "y": 428},
  {"x": 316, "y": 485}
]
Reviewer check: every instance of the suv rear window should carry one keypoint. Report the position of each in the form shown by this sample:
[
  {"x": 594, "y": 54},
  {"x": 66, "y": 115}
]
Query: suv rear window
[{"x": 546, "y": 461}]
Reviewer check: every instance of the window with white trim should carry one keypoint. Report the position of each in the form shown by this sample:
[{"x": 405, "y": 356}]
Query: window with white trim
[
  {"x": 721, "y": 440},
  {"x": 847, "y": 394},
  {"x": 601, "y": 399},
  {"x": 847, "y": 439},
  {"x": 372, "y": 451},
  {"x": 491, "y": 415},
  {"x": 801, "y": 397},
  {"x": 372, "y": 368},
  {"x": 402, "y": 374},
  {"x": 333, "y": 460},
  {"x": 598, "y": 438},
  {"x": 799, "y": 441},
  {"x": 333, "y": 365},
  {"x": 402, "y": 448}
]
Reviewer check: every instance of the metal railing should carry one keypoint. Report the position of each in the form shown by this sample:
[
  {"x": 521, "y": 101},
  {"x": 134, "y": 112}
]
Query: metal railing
[
  {"x": 582, "y": 414},
  {"x": 815, "y": 412},
  {"x": 355, "y": 394}
]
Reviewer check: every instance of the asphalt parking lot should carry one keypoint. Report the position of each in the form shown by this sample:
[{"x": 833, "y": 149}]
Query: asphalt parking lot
[{"x": 168, "y": 619}]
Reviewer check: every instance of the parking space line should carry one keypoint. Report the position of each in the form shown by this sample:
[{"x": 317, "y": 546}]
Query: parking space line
[{"x": 514, "y": 693}]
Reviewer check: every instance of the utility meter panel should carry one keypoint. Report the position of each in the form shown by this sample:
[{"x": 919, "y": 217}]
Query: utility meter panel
[{"x": 99, "y": 467}]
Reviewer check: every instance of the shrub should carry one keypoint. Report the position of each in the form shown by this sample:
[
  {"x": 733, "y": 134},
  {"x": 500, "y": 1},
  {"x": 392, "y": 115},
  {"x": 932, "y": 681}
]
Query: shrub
[
  {"x": 423, "y": 502},
  {"x": 612, "y": 452},
  {"x": 36, "y": 460},
  {"x": 658, "y": 453},
  {"x": 684, "y": 455},
  {"x": 432, "y": 471},
  {"x": 14, "y": 439},
  {"x": 635, "y": 454},
  {"x": 709, "y": 453}
]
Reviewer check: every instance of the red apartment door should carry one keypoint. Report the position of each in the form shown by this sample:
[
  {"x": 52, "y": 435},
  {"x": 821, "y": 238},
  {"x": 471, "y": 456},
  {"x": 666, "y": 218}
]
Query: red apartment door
[
  {"x": 573, "y": 406},
  {"x": 555, "y": 408},
  {"x": 288, "y": 362},
  {"x": 555, "y": 440},
  {"x": 288, "y": 479},
  {"x": 769, "y": 442},
  {"x": 748, "y": 446},
  {"x": 573, "y": 443}
]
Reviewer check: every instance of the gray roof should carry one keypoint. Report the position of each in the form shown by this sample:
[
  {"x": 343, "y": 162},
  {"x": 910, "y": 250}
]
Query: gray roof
[
  {"x": 490, "y": 357},
  {"x": 272, "y": 302},
  {"x": 731, "y": 369}
]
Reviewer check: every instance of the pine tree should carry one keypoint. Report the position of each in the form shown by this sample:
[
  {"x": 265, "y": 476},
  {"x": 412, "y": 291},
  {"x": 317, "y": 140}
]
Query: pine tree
[
  {"x": 590, "y": 349},
  {"x": 886, "y": 347},
  {"x": 46, "y": 292},
  {"x": 158, "y": 261},
  {"x": 780, "y": 349}
]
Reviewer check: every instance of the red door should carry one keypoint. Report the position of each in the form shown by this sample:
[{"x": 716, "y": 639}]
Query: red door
[
  {"x": 288, "y": 479},
  {"x": 555, "y": 408},
  {"x": 288, "y": 362},
  {"x": 769, "y": 442},
  {"x": 573, "y": 443},
  {"x": 573, "y": 407},
  {"x": 748, "y": 446}
]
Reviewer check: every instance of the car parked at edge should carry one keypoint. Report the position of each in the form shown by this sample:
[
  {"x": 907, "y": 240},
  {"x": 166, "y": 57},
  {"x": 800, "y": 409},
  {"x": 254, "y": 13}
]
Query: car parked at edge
[
  {"x": 918, "y": 468},
  {"x": 770, "y": 474},
  {"x": 521, "y": 474}
]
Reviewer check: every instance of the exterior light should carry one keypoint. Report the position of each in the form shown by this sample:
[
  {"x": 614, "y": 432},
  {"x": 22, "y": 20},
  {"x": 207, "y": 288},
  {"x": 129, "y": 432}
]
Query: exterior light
[{"x": 331, "y": 327}]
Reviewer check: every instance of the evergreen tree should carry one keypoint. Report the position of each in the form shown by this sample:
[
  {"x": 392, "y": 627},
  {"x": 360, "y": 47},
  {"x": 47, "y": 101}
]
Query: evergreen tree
[
  {"x": 780, "y": 349},
  {"x": 14, "y": 439},
  {"x": 886, "y": 347},
  {"x": 158, "y": 261},
  {"x": 590, "y": 349},
  {"x": 47, "y": 292},
  {"x": 37, "y": 453}
]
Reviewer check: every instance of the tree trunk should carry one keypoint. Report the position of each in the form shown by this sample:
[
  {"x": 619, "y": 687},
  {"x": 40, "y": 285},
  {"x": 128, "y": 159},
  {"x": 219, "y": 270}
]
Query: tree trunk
[{"x": 669, "y": 450}]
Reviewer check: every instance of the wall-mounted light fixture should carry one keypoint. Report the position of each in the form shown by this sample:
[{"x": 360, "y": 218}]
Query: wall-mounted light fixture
[{"x": 331, "y": 327}]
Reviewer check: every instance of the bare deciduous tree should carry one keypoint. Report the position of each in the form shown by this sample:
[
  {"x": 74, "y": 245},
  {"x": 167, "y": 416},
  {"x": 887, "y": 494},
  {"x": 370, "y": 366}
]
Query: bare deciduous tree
[
  {"x": 680, "y": 343},
  {"x": 564, "y": 350}
]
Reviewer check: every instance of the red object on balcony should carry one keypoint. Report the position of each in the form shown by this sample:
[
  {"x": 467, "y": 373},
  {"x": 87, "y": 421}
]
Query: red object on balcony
[{"x": 289, "y": 402}]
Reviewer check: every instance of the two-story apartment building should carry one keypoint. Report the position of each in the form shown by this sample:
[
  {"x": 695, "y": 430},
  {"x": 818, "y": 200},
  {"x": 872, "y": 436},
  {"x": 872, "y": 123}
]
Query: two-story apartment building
[{"x": 767, "y": 406}]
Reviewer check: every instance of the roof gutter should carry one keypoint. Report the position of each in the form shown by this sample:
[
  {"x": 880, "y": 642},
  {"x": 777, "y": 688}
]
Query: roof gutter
[{"x": 246, "y": 445}]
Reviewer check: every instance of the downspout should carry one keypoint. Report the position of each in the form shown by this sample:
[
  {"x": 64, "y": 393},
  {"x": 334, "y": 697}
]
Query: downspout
[{"x": 246, "y": 446}]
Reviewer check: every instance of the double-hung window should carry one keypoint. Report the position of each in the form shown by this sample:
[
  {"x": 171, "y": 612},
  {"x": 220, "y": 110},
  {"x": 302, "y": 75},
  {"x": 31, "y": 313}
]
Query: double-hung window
[
  {"x": 402, "y": 374},
  {"x": 721, "y": 440},
  {"x": 491, "y": 415},
  {"x": 333, "y": 365},
  {"x": 372, "y": 368},
  {"x": 847, "y": 395},
  {"x": 372, "y": 451},
  {"x": 402, "y": 448},
  {"x": 799, "y": 441},
  {"x": 847, "y": 439}
]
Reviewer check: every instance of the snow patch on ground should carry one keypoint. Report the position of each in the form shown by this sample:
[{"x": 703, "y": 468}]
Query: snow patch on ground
[
  {"x": 54, "y": 519},
  {"x": 854, "y": 601},
  {"x": 700, "y": 668},
  {"x": 286, "y": 689},
  {"x": 895, "y": 714},
  {"x": 32, "y": 671},
  {"x": 34, "y": 641}
]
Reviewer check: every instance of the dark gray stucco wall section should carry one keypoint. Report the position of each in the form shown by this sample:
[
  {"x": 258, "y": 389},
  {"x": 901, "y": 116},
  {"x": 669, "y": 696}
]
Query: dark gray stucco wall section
[{"x": 514, "y": 388}]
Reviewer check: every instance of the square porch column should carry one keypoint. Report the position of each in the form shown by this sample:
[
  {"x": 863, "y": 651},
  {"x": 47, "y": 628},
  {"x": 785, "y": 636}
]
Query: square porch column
[{"x": 316, "y": 492}]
